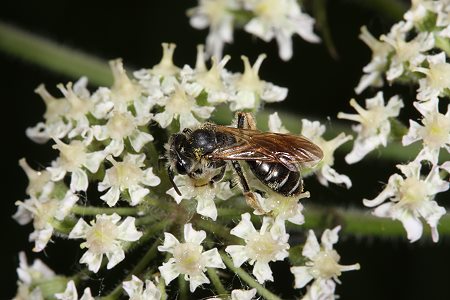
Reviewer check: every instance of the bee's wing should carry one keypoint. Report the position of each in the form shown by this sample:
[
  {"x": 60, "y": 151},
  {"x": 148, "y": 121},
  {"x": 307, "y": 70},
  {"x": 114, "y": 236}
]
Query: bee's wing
[{"x": 287, "y": 149}]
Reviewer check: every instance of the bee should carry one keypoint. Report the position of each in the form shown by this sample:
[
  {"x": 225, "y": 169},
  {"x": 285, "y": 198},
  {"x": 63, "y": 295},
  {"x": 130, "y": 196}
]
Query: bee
[{"x": 275, "y": 159}]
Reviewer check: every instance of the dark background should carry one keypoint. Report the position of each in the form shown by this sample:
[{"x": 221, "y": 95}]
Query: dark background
[{"x": 319, "y": 86}]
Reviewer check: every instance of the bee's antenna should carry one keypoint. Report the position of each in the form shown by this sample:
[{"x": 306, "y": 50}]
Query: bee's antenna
[{"x": 170, "y": 172}]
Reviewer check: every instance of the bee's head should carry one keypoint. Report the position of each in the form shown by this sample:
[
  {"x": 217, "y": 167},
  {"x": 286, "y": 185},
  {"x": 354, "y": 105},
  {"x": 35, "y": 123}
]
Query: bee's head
[{"x": 181, "y": 160}]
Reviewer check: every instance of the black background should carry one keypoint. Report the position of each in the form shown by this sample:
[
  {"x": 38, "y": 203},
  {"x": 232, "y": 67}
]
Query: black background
[{"x": 319, "y": 86}]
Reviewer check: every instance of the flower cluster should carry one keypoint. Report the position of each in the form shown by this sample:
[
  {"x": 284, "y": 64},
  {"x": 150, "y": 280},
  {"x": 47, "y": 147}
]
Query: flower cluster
[
  {"x": 414, "y": 51},
  {"x": 266, "y": 19},
  {"x": 106, "y": 189}
]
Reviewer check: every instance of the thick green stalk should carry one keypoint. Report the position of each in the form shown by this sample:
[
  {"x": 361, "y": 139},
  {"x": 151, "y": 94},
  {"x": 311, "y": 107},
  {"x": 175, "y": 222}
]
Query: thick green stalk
[
  {"x": 215, "y": 279},
  {"x": 393, "y": 9},
  {"x": 183, "y": 288},
  {"x": 262, "y": 291},
  {"x": 50, "y": 55}
]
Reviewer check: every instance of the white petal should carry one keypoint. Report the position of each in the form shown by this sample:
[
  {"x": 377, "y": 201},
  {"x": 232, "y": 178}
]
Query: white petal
[
  {"x": 127, "y": 230},
  {"x": 133, "y": 287},
  {"x": 211, "y": 259},
  {"x": 93, "y": 160},
  {"x": 93, "y": 260},
  {"x": 193, "y": 236},
  {"x": 169, "y": 271},
  {"x": 206, "y": 207},
  {"x": 245, "y": 228},
  {"x": 115, "y": 147},
  {"x": 170, "y": 242},
  {"x": 243, "y": 294},
  {"x": 262, "y": 272},
  {"x": 70, "y": 293},
  {"x": 138, "y": 139},
  {"x": 311, "y": 247},
  {"x": 112, "y": 196},
  {"x": 79, "y": 230},
  {"x": 412, "y": 225},
  {"x": 197, "y": 280},
  {"x": 79, "y": 180},
  {"x": 150, "y": 178},
  {"x": 65, "y": 205},
  {"x": 115, "y": 257},
  {"x": 41, "y": 238},
  {"x": 137, "y": 193},
  {"x": 164, "y": 119},
  {"x": 302, "y": 276},
  {"x": 238, "y": 254}
]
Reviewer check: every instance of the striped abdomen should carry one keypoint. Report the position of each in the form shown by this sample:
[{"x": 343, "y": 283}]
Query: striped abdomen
[{"x": 277, "y": 177}]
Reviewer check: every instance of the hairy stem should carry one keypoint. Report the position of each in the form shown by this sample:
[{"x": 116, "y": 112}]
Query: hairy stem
[
  {"x": 50, "y": 55},
  {"x": 215, "y": 279},
  {"x": 262, "y": 291}
]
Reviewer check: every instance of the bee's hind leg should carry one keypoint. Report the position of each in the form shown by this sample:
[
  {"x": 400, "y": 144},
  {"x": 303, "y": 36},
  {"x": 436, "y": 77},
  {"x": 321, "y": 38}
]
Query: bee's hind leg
[{"x": 250, "y": 197}]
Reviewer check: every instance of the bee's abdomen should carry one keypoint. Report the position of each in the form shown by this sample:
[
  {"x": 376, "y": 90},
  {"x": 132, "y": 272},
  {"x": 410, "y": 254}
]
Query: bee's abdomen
[{"x": 277, "y": 177}]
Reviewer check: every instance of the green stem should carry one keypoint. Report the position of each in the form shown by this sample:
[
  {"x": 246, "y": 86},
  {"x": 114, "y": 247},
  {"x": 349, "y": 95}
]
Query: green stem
[
  {"x": 94, "y": 210},
  {"x": 52, "y": 56},
  {"x": 358, "y": 222},
  {"x": 262, "y": 291},
  {"x": 183, "y": 288},
  {"x": 218, "y": 229},
  {"x": 220, "y": 289}
]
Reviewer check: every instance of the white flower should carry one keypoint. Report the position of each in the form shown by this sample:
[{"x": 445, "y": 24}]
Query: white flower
[
  {"x": 80, "y": 105},
  {"x": 54, "y": 125},
  {"x": 218, "y": 15},
  {"x": 324, "y": 171},
  {"x": 435, "y": 132},
  {"x": 408, "y": 54},
  {"x": 124, "y": 91},
  {"x": 280, "y": 207},
  {"x": 418, "y": 12},
  {"x": 127, "y": 175},
  {"x": 437, "y": 79},
  {"x": 74, "y": 157},
  {"x": 411, "y": 197},
  {"x": 202, "y": 191},
  {"x": 374, "y": 70},
  {"x": 104, "y": 236},
  {"x": 188, "y": 258},
  {"x": 322, "y": 265},
  {"x": 29, "y": 275},
  {"x": 321, "y": 290},
  {"x": 374, "y": 127},
  {"x": 136, "y": 291},
  {"x": 166, "y": 66},
  {"x": 269, "y": 244},
  {"x": 210, "y": 81},
  {"x": 36, "y": 272},
  {"x": 39, "y": 181},
  {"x": 71, "y": 293},
  {"x": 182, "y": 106},
  {"x": 280, "y": 19},
  {"x": 43, "y": 211},
  {"x": 120, "y": 126},
  {"x": 250, "y": 90}
]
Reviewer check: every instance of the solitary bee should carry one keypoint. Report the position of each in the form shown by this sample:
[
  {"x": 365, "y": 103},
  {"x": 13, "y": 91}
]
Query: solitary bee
[{"x": 274, "y": 158}]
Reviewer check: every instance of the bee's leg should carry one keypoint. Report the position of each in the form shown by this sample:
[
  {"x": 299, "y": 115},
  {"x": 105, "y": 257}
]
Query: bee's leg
[
  {"x": 246, "y": 120},
  {"x": 219, "y": 176},
  {"x": 249, "y": 196}
]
